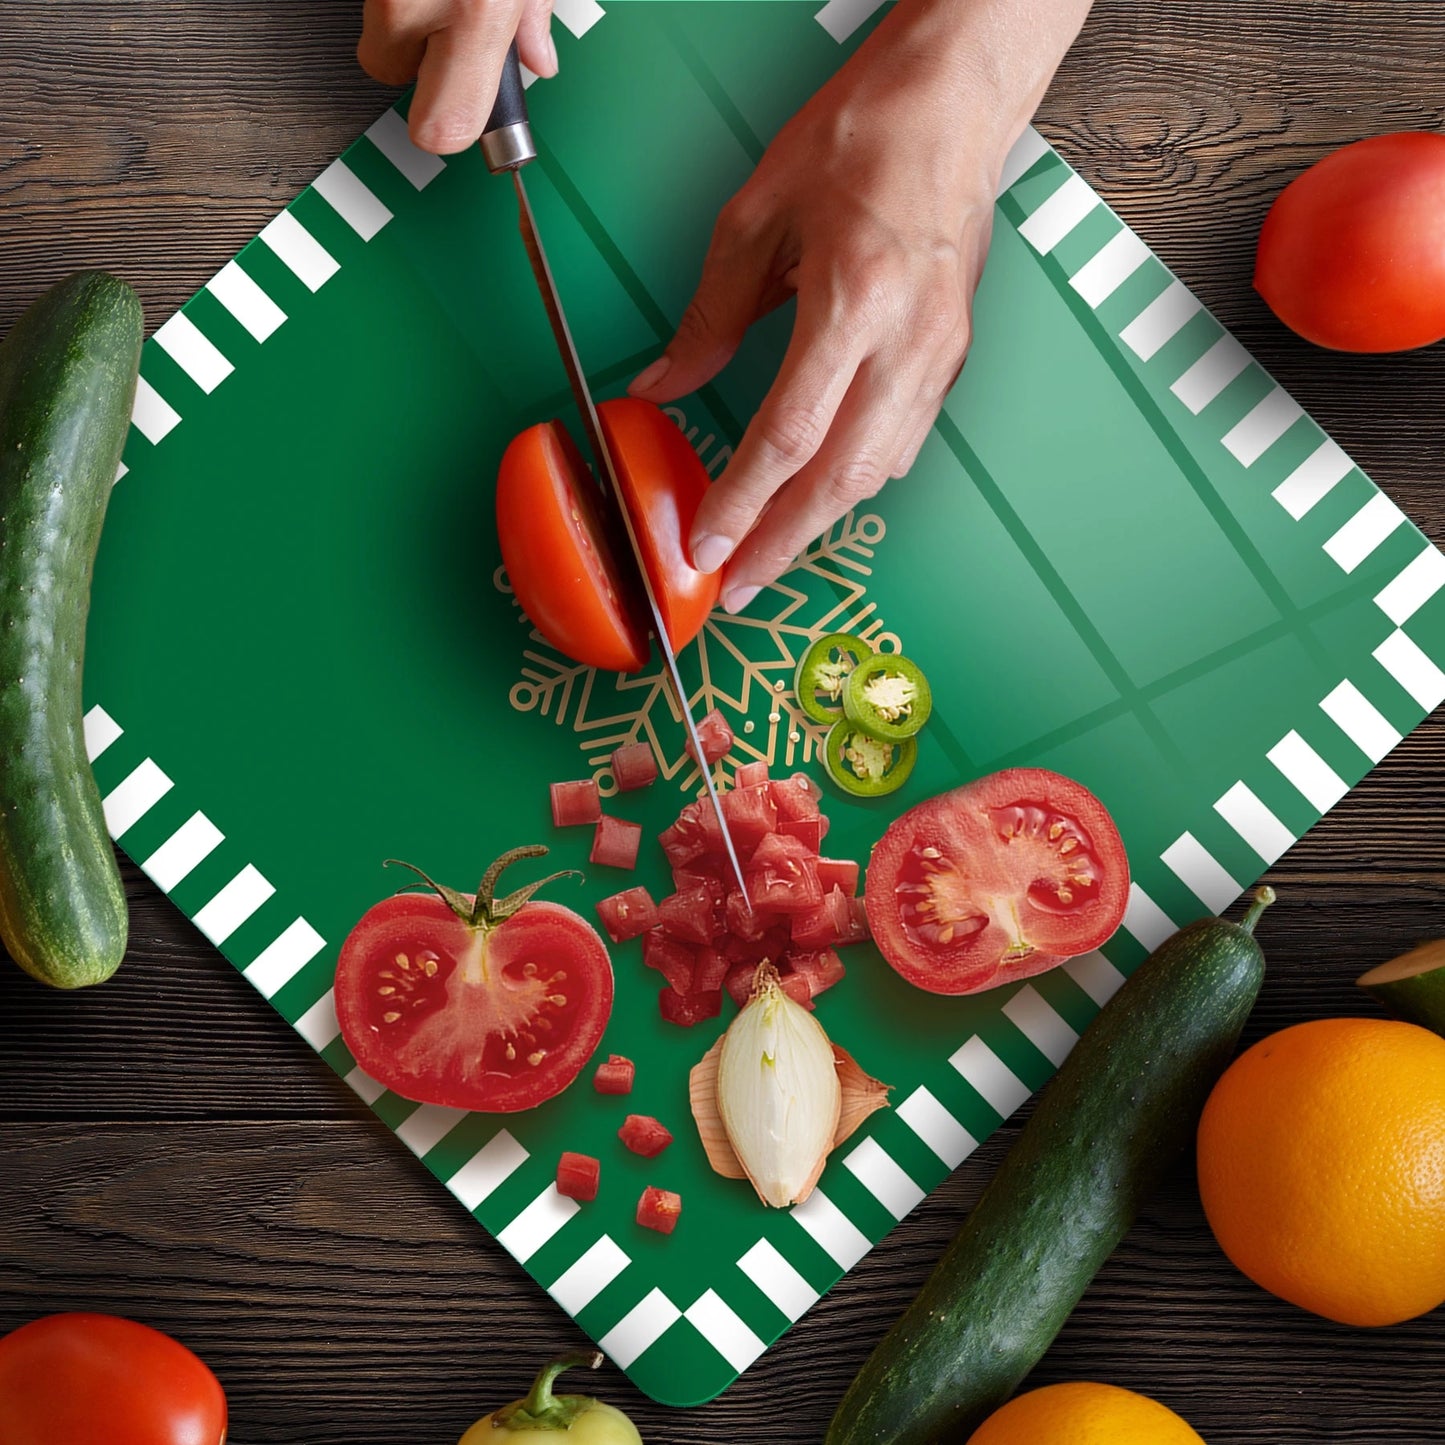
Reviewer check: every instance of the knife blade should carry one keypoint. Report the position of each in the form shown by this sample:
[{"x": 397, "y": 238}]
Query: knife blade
[{"x": 507, "y": 146}]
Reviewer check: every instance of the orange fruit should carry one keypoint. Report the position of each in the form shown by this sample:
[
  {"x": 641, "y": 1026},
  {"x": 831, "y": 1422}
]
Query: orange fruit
[
  {"x": 1084, "y": 1414},
  {"x": 1322, "y": 1168}
]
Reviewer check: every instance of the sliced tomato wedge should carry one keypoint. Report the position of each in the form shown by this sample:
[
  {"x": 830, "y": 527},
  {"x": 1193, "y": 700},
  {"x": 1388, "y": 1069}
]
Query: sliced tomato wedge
[
  {"x": 563, "y": 559},
  {"x": 996, "y": 881},
  {"x": 488, "y": 1004},
  {"x": 559, "y": 556}
]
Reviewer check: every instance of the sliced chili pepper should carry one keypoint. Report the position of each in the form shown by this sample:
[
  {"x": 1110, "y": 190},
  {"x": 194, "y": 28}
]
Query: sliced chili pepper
[
  {"x": 866, "y": 766},
  {"x": 888, "y": 696},
  {"x": 823, "y": 672}
]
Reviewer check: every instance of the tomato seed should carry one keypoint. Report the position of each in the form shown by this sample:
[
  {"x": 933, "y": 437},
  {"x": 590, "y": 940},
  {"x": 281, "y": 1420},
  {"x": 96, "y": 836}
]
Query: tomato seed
[
  {"x": 535, "y": 1059},
  {"x": 390, "y": 1018},
  {"x": 557, "y": 1000},
  {"x": 386, "y": 991}
]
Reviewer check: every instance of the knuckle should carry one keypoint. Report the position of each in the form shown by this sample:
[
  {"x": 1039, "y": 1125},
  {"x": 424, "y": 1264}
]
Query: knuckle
[
  {"x": 793, "y": 433},
  {"x": 694, "y": 325},
  {"x": 852, "y": 482}
]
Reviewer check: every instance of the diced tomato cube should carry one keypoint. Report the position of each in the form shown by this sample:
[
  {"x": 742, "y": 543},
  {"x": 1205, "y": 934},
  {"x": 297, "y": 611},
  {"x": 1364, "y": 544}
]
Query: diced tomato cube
[
  {"x": 688, "y": 916},
  {"x": 742, "y": 920},
  {"x": 829, "y": 923},
  {"x": 659, "y": 1209},
  {"x": 709, "y": 971},
  {"x": 794, "y": 797},
  {"x": 858, "y": 930},
  {"x": 697, "y": 876},
  {"x": 691, "y": 1008},
  {"x": 715, "y": 736},
  {"x": 739, "y": 982},
  {"x": 644, "y": 1135},
  {"x": 822, "y": 969},
  {"x": 808, "y": 831},
  {"x": 615, "y": 843},
  {"x": 673, "y": 960},
  {"x": 797, "y": 988},
  {"x": 750, "y": 817},
  {"x": 628, "y": 914},
  {"x": 575, "y": 803},
  {"x": 682, "y": 843},
  {"x": 750, "y": 775},
  {"x": 838, "y": 873},
  {"x": 615, "y": 1076},
  {"x": 783, "y": 875},
  {"x": 578, "y": 1175},
  {"x": 634, "y": 766}
]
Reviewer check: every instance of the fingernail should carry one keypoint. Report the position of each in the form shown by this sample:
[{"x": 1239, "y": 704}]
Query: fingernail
[
  {"x": 739, "y": 598},
  {"x": 552, "y": 53},
  {"x": 647, "y": 378},
  {"x": 711, "y": 552}
]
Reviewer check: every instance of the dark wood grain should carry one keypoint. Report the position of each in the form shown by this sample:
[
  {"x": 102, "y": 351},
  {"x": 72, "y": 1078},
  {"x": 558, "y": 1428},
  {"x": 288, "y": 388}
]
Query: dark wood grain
[{"x": 171, "y": 1152}]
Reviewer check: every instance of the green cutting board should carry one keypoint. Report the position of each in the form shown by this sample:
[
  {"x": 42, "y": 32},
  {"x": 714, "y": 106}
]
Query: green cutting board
[{"x": 1124, "y": 553}]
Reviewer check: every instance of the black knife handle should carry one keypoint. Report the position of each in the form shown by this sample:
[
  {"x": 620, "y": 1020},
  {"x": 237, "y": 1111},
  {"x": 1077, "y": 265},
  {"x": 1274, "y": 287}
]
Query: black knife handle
[{"x": 507, "y": 140}]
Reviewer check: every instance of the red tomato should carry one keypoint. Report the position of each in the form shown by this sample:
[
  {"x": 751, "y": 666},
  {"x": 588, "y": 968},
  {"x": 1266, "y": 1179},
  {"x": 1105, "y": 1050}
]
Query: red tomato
[
  {"x": 996, "y": 881},
  {"x": 1352, "y": 254},
  {"x": 578, "y": 1176},
  {"x": 496, "y": 1012},
  {"x": 559, "y": 556},
  {"x": 644, "y": 1135},
  {"x": 659, "y": 1209},
  {"x": 562, "y": 559},
  {"x": 81, "y": 1377}
]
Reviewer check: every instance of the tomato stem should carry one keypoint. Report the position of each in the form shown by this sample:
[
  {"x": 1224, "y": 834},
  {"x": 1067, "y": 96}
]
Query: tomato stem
[{"x": 486, "y": 909}]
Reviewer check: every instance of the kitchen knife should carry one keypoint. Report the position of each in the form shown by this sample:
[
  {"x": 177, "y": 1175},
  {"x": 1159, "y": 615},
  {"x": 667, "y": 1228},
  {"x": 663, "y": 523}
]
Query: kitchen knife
[{"x": 507, "y": 145}]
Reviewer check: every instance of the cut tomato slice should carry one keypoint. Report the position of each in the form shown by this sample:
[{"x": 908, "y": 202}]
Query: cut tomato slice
[
  {"x": 659, "y": 1209},
  {"x": 687, "y": 1009},
  {"x": 673, "y": 960},
  {"x": 644, "y": 1135},
  {"x": 750, "y": 775},
  {"x": 615, "y": 1076},
  {"x": 838, "y": 873},
  {"x": 575, "y": 803},
  {"x": 628, "y": 914},
  {"x": 615, "y": 843},
  {"x": 633, "y": 767},
  {"x": 493, "y": 1007},
  {"x": 562, "y": 558},
  {"x": 715, "y": 736},
  {"x": 996, "y": 881},
  {"x": 688, "y": 916},
  {"x": 578, "y": 1176},
  {"x": 751, "y": 816},
  {"x": 558, "y": 554}
]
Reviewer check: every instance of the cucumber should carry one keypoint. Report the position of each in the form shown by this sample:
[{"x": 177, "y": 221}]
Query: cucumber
[
  {"x": 67, "y": 383},
  {"x": 1118, "y": 1113},
  {"x": 1412, "y": 987}
]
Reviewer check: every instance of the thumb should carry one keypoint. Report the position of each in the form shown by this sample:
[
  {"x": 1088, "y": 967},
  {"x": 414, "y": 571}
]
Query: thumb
[{"x": 733, "y": 292}]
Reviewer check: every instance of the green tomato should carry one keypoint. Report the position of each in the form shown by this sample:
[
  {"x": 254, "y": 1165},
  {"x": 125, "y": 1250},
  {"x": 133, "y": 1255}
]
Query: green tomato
[{"x": 583, "y": 1420}]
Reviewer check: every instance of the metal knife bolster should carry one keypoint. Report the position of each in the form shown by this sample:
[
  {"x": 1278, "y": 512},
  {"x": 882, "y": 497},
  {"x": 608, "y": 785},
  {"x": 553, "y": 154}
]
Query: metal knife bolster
[{"x": 507, "y": 146}]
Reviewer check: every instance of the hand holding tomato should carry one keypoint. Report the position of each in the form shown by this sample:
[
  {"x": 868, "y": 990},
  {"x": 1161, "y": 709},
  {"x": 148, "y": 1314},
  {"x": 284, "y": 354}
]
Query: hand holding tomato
[
  {"x": 873, "y": 207},
  {"x": 75, "y": 1378}
]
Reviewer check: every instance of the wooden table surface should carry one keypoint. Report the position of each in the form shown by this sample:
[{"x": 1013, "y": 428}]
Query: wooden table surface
[{"x": 172, "y": 1152}]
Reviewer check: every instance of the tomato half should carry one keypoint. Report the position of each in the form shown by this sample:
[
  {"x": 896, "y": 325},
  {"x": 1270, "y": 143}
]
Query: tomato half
[
  {"x": 1352, "y": 254},
  {"x": 563, "y": 563},
  {"x": 496, "y": 1008},
  {"x": 70, "y": 1378},
  {"x": 996, "y": 881}
]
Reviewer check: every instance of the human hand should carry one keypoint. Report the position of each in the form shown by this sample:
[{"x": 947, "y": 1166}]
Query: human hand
[
  {"x": 454, "y": 50},
  {"x": 874, "y": 206}
]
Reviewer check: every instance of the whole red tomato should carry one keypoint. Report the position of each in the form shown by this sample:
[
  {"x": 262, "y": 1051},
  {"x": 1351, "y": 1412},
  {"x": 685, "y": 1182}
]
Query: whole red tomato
[
  {"x": 562, "y": 557},
  {"x": 1352, "y": 254},
  {"x": 75, "y": 1378},
  {"x": 484, "y": 1003}
]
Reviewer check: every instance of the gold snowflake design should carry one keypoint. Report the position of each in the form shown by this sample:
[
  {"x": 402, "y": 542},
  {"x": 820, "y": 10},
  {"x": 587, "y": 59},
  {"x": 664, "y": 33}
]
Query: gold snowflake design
[{"x": 745, "y": 666}]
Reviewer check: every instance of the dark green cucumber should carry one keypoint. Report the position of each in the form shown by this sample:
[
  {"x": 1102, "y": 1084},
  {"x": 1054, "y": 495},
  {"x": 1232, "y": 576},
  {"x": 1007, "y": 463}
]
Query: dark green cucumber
[
  {"x": 67, "y": 384},
  {"x": 1119, "y": 1112}
]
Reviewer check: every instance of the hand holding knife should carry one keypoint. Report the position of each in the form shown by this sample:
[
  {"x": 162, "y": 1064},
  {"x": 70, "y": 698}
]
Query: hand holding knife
[{"x": 507, "y": 145}]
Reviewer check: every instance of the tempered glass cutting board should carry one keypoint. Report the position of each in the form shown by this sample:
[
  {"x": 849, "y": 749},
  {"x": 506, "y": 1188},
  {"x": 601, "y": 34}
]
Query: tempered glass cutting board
[{"x": 1124, "y": 553}]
